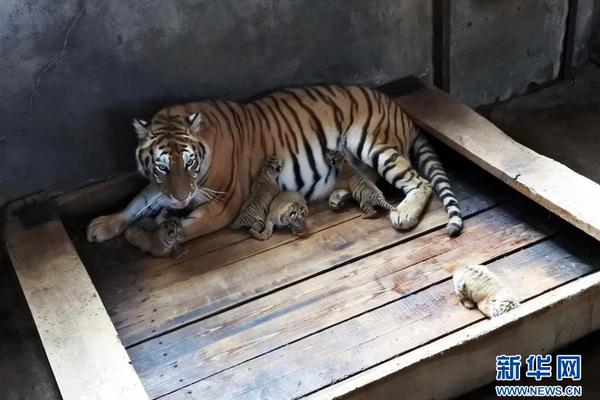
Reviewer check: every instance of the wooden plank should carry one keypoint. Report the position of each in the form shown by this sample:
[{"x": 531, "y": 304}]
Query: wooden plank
[
  {"x": 99, "y": 197},
  {"x": 196, "y": 289},
  {"x": 263, "y": 325},
  {"x": 465, "y": 360},
  {"x": 559, "y": 189},
  {"x": 345, "y": 350},
  {"x": 85, "y": 354}
]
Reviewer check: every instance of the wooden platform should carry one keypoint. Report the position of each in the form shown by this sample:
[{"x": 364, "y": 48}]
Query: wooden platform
[
  {"x": 353, "y": 310},
  {"x": 240, "y": 318}
]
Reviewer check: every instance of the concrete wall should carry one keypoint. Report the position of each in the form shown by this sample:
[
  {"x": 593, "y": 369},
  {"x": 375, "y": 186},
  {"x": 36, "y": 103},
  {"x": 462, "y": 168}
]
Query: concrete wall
[
  {"x": 498, "y": 48},
  {"x": 73, "y": 73},
  {"x": 583, "y": 31},
  {"x": 595, "y": 36}
]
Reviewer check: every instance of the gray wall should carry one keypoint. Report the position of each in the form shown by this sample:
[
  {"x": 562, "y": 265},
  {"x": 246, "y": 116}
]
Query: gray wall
[
  {"x": 498, "y": 48},
  {"x": 595, "y": 39},
  {"x": 73, "y": 73},
  {"x": 583, "y": 31}
]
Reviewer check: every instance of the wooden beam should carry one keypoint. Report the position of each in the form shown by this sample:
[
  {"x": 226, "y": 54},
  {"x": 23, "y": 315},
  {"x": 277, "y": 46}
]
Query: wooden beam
[
  {"x": 82, "y": 346},
  {"x": 549, "y": 183},
  {"x": 554, "y": 319},
  {"x": 99, "y": 197}
]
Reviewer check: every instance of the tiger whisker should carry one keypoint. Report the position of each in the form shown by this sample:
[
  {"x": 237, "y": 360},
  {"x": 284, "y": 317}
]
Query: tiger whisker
[{"x": 150, "y": 208}]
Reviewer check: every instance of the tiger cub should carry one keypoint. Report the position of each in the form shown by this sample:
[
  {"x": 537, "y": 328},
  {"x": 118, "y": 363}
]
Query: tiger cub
[
  {"x": 358, "y": 187},
  {"x": 477, "y": 286},
  {"x": 288, "y": 210},
  {"x": 256, "y": 207},
  {"x": 166, "y": 240}
]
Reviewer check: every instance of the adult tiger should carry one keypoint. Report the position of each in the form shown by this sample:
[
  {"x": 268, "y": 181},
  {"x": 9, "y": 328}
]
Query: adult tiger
[{"x": 207, "y": 153}]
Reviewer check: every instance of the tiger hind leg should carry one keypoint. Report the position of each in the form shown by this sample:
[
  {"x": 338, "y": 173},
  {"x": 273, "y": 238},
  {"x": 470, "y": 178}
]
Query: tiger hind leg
[
  {"x": 249, "y": 214},
  {"x": 398, "y": 171},
  {"x": 428, "y": 163},
  {"x": 368, "y": 211}
]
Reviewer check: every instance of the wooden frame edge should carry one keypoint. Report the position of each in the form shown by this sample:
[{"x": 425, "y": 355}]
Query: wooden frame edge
[
  {"x": 81, "y": 343},
  {"x": 464, "y": 360},
  {"x": 547, "y": 182}
]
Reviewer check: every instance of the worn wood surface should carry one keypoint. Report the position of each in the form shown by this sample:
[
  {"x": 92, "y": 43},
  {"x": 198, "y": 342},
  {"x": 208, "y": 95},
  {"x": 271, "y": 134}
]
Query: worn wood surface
[
  {"x": 547, "y": 182},
  {"x": 234, "y": 312},
  {"x": 555, "y": 319},
  {"x": 384, "y": 333},
  {"x": 86, "y": 357},
  {"x": 157, "y": 295},
  {"x": 229, "y": 338}
]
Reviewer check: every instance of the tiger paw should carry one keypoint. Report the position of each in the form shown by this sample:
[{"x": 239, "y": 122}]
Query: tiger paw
[
  {"x": 369, "y": 213},
  {"x": 468, "y": 304},
  {"x": 258, "y": 225},
  {"x": 337, "y": 199},
  {"x": 404, "y": 216},
  {"x": 259, "y": 234},
  {"x": 105, "y": 227},
  {"x": 298, "y": 230}
]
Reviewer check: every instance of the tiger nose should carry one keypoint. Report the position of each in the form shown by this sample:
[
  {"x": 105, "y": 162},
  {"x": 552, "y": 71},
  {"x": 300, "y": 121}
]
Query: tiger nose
[{"x": 181, "y": 196}]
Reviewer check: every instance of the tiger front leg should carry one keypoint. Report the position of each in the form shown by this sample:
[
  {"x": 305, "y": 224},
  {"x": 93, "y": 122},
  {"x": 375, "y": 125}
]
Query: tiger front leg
[
  {"x": 209, "y": 218},
  {"x": 108, "y": 226},
  {"x": 298, "y": 230},
  {"x": 259, "y": 223},
  {"x": 368, "y": 211},
  {"x": 338, "y": 198},
  {"x": 266, "y": 233},
  {"x": 407, "y": 213}
]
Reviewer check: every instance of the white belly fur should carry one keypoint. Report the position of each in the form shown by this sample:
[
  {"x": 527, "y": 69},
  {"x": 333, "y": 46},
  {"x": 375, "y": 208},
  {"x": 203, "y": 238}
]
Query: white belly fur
[{"x": 323, "y": 187}]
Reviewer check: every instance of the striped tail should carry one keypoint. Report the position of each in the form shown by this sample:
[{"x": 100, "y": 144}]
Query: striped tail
[{"x": 429, "y": 165}]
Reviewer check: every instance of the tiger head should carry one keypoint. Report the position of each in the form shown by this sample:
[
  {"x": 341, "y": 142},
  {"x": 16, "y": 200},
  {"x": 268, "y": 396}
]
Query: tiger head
[
  {"x": 171, "y": 154},
  {"x": 295, "y": 215}
]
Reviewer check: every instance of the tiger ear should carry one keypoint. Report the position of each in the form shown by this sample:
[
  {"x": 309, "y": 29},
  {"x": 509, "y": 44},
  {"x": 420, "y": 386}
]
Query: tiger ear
[
  {"x": 141, "y": 129},
  {"x": 194, "y": 120}
]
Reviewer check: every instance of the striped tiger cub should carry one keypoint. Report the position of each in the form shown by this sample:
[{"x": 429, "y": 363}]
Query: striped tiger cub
[
  {"x": 205, "y": 155},
  {"x": 477, "y": 286},
  {"x": 358, "y": 187},
  {"x": 288, "y": 210},
  {"x": 256, "y": 207},
  {"x": 160, "y": 240}
]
